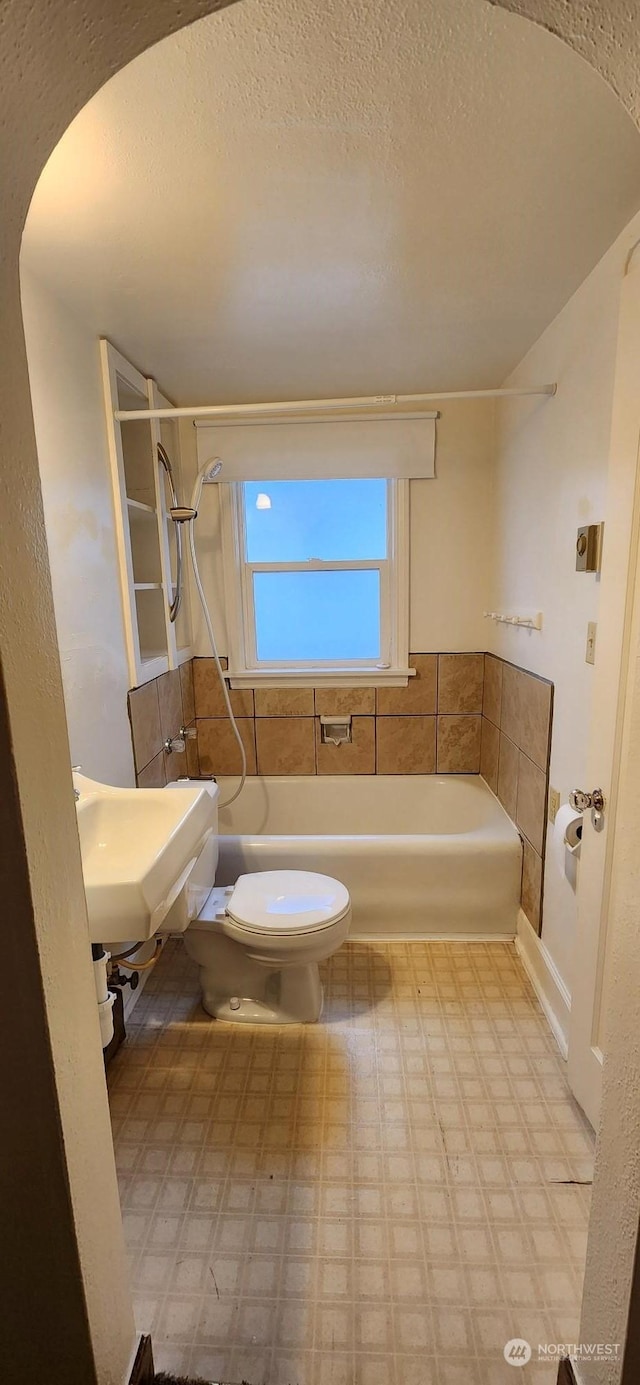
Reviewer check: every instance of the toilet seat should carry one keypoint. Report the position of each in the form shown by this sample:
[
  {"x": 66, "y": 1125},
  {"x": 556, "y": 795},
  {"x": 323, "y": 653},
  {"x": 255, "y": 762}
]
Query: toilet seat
[
  {"x": 277, "y": 904},
  {"x": 287, "y": 903}
]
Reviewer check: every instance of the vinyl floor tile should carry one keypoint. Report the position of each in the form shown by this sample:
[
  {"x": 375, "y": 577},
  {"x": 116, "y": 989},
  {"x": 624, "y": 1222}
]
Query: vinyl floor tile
[{"x": 385, "y": 1196}]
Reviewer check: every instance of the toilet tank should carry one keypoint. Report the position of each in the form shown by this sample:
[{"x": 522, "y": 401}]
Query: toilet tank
[{"x": 198, "y": 887}]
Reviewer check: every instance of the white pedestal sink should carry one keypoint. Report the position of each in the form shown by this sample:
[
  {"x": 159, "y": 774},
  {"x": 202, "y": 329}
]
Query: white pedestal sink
[{"x": 139, "y": 847}]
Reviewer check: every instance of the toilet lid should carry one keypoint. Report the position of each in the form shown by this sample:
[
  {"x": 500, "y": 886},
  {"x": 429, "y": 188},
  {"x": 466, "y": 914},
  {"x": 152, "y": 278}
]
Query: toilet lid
[{"x": 287, "y": 901}]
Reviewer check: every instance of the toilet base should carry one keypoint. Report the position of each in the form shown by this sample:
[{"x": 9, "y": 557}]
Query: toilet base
[
  {"x": 241, "y": 989},
  {"x": 291, "y": 996},
  {"x": 259, "y": 975}
]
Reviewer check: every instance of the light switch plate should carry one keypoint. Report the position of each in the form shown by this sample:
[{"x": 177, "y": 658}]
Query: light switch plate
[
  {"x": 590, "y": 654},
  {"x": 554, "y": 804}
]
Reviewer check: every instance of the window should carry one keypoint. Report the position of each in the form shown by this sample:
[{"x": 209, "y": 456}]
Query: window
[{"x": 320, "y": 568}]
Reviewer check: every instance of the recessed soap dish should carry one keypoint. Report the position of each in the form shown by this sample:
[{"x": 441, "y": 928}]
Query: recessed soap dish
[{"x": 335, "y": 730}]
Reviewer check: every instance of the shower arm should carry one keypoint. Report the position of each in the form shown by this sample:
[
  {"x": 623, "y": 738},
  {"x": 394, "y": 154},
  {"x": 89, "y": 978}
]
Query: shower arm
[{"x": 174, "y": 606}]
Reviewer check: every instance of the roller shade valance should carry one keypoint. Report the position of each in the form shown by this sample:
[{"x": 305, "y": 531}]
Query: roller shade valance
[{"x": 394, "y": 446}]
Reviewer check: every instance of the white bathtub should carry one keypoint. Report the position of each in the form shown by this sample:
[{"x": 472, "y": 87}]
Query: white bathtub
[{"x": 421, "y": 855}]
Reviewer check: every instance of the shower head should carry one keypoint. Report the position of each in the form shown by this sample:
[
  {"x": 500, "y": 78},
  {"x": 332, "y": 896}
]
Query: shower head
[{"x": 210, "y": 472}]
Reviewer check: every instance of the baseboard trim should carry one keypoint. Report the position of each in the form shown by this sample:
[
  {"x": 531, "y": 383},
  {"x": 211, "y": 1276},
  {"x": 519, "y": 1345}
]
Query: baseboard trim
[
  {"x": 143, "y": 1370},
  {"x": 355, "y": 937},
  {"x": 546, "y": 981}
]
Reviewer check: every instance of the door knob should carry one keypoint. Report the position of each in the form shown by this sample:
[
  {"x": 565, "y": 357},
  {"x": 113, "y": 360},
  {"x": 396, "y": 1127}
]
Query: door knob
[{"x": 580, "y": 800}]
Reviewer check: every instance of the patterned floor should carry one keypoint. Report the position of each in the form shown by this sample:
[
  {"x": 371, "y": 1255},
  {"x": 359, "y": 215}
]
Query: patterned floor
[{"x": 384, "y": 1198}]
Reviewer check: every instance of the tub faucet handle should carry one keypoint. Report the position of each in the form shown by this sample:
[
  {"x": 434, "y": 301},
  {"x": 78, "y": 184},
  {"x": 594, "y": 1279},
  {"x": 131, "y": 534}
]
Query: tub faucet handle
[{"x": 174, "y": 743}]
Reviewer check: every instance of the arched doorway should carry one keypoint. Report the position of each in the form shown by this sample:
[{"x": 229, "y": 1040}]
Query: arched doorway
[{"x": 64, "y": 65}]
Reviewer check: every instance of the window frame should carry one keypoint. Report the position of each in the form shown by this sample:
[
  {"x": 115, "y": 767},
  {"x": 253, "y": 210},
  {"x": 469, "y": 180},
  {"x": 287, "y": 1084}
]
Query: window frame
[{"x": 246, "y": 670}]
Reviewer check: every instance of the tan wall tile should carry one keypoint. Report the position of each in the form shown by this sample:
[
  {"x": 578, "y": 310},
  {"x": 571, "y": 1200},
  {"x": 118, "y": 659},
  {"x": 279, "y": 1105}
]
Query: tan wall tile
[
  {"x": 218, "y": 749},
  {"x": 460, "y": 682},
  {"x": 144, "y": 714},
  {"x": 492, "y": 688},
  {"x": 510, "y": 706},
  {"x": 286, "y": 745},
  {"x": 188, "y": 698},
  {"x": 359, "y": 757},
  {"x": 490, "y": 753},
  {"x": 208, "y": 693},
  {"x": 508, "y": 776},
  {"x": 531, "y": 898},
  {"x": 459, "y": 744},
  {"x": 152, "y": 776},
  {"x": 284, "y": 702},
  {"x": 175, "y": 765},
  {"x": 531, "y": 810},
  {"x": 406, "y": 745},
  {"x": 526, "y": 713},
  {"x": 193, "y": 756},
  {"x": 419, "y": 697},
  {"x": 345, "y": 702},
  {"x": 534, "y": 698},
  {"x": 170, "y": 702}
]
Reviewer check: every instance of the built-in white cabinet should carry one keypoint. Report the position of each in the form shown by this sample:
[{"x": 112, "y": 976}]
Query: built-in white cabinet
[{"x": 145, "y": 533}]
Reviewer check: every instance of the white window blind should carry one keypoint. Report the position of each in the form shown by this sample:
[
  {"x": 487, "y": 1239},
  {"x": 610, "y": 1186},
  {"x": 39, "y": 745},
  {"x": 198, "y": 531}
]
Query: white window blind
[{"x": 392, "y": 446}]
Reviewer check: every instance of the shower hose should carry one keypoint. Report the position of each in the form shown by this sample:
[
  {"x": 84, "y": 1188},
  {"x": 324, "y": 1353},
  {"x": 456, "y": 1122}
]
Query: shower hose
[{"x": 212, "y": 640}]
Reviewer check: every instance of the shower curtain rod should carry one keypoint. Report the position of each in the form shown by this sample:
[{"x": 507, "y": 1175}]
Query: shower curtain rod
[{"x": 289, "y": 406}]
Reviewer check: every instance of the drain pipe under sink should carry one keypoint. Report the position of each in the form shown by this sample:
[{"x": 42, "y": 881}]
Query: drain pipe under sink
[{"x": 104, "y": 997}]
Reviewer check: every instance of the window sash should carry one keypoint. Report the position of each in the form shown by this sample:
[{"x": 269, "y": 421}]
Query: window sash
[
  {"x": 314, "y": 565},
  {"x": 393, "y": 572}
]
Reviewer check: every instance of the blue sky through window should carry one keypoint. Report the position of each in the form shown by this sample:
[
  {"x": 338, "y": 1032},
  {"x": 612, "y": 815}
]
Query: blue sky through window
[
  {"x": 320, "y": 616},
  {"x": 316, "y": 616},
  {"x": 315, "y": 519}
]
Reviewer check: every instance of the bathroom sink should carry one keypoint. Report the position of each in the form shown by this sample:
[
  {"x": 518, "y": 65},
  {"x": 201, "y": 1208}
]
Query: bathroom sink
[{"x": 138, "y": 849}]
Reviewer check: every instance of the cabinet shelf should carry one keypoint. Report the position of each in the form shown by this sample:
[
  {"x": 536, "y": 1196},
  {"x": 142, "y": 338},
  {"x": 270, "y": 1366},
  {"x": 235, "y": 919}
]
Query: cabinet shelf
[
  {"x": 138, "y": 507},
  {"x": 145, "y": 535}
]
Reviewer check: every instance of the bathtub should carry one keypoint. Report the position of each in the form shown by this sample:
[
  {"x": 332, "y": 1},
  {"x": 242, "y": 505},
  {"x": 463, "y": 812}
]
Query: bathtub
[{"x": 421, "y": 855}]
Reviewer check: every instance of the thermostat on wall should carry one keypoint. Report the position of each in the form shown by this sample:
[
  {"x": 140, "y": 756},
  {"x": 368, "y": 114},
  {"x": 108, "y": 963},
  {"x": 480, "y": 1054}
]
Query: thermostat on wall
[{"x": 589, "y": 548}]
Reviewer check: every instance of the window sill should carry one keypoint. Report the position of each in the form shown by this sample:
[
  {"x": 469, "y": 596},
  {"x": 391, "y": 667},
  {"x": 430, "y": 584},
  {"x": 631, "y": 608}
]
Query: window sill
[{"x": 321, "y": 678}]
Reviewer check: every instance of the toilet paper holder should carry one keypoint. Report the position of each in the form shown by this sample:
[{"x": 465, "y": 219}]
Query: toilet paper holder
[
  {"x": 573, "y": 838},
  {"x": 566, "y": 838}
]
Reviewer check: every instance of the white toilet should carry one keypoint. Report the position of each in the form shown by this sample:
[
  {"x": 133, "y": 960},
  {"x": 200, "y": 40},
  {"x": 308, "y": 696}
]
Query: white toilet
[{"x": 258, "y": 942}]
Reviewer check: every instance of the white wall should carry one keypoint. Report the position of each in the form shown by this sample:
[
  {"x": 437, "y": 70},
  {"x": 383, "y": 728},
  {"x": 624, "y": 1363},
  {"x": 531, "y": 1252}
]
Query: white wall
[
  {"x": 552, "y": 460},
  {"x": 68, "y": 414},
  {"x": 452, "y": 532},
  {"x": 452, "y": 525}
]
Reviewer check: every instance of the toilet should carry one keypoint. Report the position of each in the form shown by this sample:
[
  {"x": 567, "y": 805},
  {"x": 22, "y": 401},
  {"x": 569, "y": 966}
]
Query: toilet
[{"x": 258, "y": 943}]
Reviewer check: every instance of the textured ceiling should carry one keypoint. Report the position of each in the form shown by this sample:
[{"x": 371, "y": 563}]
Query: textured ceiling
[{"x": 286, "y": 201}]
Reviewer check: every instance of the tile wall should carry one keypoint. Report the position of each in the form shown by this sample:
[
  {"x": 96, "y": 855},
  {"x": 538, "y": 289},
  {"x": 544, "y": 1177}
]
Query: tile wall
[
  {"x": 461, "y": 714},
  {"x": 157, "y": 711},
  {"x": 432, "y": 726},
  {"x": 514, "y": 761}
]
